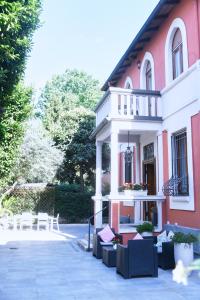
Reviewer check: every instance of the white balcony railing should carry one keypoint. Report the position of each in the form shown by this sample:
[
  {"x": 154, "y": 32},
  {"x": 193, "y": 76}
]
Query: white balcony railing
[{"x": 130, "y": 104}]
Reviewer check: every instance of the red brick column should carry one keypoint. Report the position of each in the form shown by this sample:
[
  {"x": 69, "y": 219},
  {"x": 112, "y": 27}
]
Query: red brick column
[{"x": 114, "y": 215}]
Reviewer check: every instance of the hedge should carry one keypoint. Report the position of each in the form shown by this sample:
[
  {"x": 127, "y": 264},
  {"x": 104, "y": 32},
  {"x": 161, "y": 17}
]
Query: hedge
[{"x": 73, "y": 205}]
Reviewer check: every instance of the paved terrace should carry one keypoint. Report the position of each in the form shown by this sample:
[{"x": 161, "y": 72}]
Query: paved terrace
[{"x": 49, "y": 266}]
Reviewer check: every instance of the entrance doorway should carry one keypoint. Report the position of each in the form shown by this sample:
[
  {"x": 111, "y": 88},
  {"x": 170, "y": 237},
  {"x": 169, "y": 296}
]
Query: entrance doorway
[{"x": 149, "y": 178}]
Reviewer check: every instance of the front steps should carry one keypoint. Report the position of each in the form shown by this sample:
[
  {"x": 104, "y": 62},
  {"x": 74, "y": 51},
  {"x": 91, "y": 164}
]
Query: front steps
[{"x": 83, "y": 243}]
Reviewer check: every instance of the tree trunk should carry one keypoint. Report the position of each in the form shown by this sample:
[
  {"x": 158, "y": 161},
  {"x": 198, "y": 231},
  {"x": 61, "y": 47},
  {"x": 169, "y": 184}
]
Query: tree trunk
[{"x": 81, "y": 179}]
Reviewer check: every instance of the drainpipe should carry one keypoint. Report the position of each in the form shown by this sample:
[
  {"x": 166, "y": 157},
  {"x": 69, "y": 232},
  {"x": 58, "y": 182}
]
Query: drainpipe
[{"x": 198, "y": 26}]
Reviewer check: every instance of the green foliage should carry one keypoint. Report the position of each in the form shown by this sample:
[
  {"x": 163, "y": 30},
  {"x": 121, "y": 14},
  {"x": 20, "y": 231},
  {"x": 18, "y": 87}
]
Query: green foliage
[
  {"x": 74, "y": 206},
  {"x": 39, "y": 158},
  {"x": 33, "y": 198},
  {"x": 66, "y": 104},
  {"x": 17, "y": 110},
  {"x": 19, "y": 204},
  {"x": 180, "y": 237},
  {"x": 18, "y": 21},
  {"x": 145, "y": 227},
  {"x": 72, "y": 137},
  {"x": 69, "y": 90}
]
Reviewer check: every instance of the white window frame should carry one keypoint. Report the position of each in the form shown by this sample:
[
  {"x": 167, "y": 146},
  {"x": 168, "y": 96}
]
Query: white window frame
[
  {"x": 128, "y": 81},
  {"x": 148, "y": 57},
  {"x": 178, "y": 23}
]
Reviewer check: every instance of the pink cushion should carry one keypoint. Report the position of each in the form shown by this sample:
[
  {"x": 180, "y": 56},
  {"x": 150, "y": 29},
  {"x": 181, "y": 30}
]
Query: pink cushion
[
  {"x": 106, "y": 234},
  {"x": 138, "y": 237}
]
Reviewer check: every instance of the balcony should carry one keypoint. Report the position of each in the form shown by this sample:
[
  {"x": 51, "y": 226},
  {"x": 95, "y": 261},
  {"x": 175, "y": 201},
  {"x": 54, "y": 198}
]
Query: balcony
[{"x": 136, "y": 105}]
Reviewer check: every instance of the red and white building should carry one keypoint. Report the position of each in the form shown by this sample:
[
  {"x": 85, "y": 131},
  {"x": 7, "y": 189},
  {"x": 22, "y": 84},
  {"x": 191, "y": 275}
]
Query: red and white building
[{"x": 153, "y": 95}]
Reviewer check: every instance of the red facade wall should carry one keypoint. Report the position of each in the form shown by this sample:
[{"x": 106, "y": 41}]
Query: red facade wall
[
  {"x": 189, "y": 218},
  {"x": 188, "y": 12}
]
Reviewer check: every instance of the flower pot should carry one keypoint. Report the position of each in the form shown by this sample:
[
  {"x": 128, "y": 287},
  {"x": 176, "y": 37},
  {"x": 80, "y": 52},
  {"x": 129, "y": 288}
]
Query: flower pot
[
  {"x": 135, "y": 193},
  {"x": 183, "y": 252},
  {"x": 146, "y": 233},
  {"x": 140, "y": 193},
  {"x": 115, "y": 246},
  {"x": 128, "y": 192}
]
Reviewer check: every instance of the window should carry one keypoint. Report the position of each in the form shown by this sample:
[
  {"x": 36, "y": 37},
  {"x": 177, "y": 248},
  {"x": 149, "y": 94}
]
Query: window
[
  {"x": 148, "y": 76},
  {"x": 177, "y": 54},
  {"x": 128, "y": 83},
  {"x": 179, "y": 161},
  {"x": 148, "y": 151},
  {"x": 176, "y": 50}
]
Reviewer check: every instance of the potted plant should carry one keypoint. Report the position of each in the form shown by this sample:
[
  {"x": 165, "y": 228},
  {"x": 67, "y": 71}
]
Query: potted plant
[
  {"x": 116, "y": 240},
  {"x": 183, "y": 247},
  {"x": 145, "y": 229},
  {"x": 134, "y": 189}
]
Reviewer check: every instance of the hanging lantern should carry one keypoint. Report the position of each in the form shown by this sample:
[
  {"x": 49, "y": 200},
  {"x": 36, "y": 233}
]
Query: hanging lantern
[{"x": 128, "y": 154}]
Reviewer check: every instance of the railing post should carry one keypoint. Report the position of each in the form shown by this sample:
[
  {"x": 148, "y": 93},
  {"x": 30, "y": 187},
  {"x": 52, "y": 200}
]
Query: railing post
[{"x": 89, "y": 225}]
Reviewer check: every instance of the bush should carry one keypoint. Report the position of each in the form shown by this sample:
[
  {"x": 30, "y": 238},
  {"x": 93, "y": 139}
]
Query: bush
[
  {"x": 17, "y": 205},
  {"x": 145, "y": 227},
  {"x": 72, "y": 205},
  {"x": 180, "y": 237}
]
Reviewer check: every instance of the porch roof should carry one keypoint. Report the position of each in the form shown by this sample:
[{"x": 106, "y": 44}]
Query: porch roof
[{"x": 148, "y": 30}]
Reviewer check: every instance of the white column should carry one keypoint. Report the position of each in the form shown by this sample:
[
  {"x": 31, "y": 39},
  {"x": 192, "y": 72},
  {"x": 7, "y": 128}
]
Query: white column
[
  {"x": 160, "y": 163},
  {"x": 137, "y": 163},
  {"x": 159, "y": 210},
  {"x": 98, "y": 195},
  {"x": 98, "y": 168},
  {"x": 98, "y": 213},
  {"x": 114, "y": 176},
  {"x": 137, "y": 212}
]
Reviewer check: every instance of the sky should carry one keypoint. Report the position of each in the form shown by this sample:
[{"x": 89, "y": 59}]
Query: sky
[{"x": 89, "y": 35}]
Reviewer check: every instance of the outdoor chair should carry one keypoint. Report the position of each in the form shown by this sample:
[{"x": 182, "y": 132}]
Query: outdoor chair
[
  {"x": 26, "y": 220},
  {"x": 166, "y": 256},
  {"x": 138, "y": 258},
  {"x": 54, "y": 221},
  {"x": 98, "y": 243},
  {"x": 43, "y": 221}
]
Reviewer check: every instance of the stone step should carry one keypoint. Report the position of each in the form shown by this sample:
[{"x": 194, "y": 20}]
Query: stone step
[
  {"x": 83, "y": 244},
  {"x": 91, "y": 236}
]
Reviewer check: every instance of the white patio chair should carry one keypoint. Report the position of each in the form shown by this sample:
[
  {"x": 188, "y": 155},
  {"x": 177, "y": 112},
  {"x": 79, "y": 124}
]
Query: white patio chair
[
  {"x": 43, "y": 221},
  {"x": 55, "y": 221},
  {"x": 26, "y": 220}
]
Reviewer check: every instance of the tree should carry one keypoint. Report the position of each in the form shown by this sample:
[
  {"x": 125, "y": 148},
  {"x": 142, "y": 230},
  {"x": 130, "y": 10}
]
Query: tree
[
  {"x": 39, "y": 158},
  {"x": 17, "y": 110},
  {"x": 73, "y": 82},
  {"x": 18, "y": 21},
  {"x": 79, "y": 149}
]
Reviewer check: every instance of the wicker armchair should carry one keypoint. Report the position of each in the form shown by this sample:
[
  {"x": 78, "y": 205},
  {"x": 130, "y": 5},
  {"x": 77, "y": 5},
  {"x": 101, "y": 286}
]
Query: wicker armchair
[
  {"x": 138, "y": 258},
  {"x": 98, "y": 243}
]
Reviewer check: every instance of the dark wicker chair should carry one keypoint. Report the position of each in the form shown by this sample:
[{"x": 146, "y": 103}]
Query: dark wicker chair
[
  {"x": 138, "y": 258},
  {"x": 98, "y": 243},
  {"x": 166, "y": 257}
]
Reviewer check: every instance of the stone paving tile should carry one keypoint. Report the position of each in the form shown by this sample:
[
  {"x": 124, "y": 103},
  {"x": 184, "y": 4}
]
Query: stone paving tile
[{"x": 60, "y": 270}]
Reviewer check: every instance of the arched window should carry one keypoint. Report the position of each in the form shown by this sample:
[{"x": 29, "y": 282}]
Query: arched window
[
  {"x": 147, "y": 72},
  {"x": 148, "y": 76},
  {"x": 177, "y": 54},
  {"x": 128, "y": 83},
  {"x": 176, "y": 51}
]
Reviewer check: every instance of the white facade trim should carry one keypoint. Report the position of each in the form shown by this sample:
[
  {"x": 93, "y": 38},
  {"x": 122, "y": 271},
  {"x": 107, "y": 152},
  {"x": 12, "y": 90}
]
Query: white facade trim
[
  {"x": 128, "y": 82},
  {"x": 178, "y": 23},
  {"x": 147, "y": 57}
]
